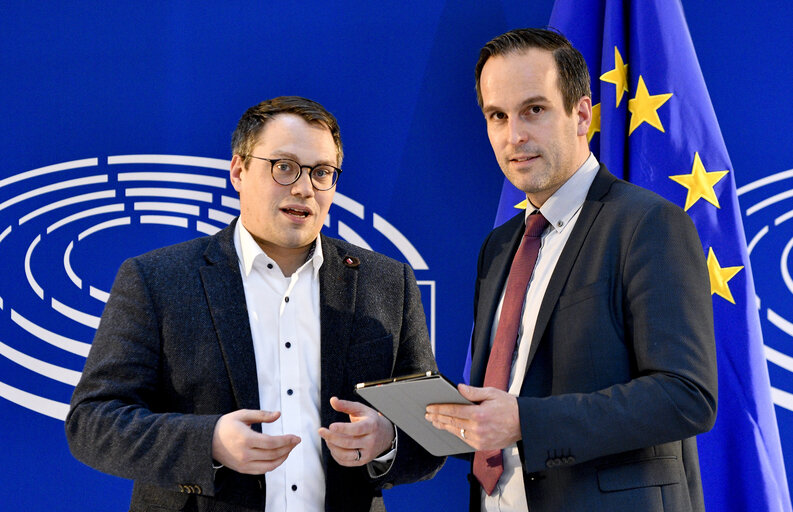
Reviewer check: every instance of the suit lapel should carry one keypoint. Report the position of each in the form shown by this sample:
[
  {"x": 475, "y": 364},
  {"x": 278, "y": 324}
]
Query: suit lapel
[
  {"x": 337, "y": 294},
  {"x": 490, "y": 293},
  {"x": 226, "y": 297},
  {"x": 589, "y": 212}
]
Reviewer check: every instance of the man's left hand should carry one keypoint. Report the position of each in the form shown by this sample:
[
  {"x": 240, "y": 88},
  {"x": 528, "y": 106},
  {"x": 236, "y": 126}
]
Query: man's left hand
[
  {"x": 365, "y": 438},
  {"x": 492, "y": 423}
]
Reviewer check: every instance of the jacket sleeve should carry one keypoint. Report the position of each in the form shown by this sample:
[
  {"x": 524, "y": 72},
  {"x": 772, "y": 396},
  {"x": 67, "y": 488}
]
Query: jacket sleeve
[
  {"x": 117, "y": 422},
  {"x": 413, "y": 355},
  {"x": 632, "y": 356}
]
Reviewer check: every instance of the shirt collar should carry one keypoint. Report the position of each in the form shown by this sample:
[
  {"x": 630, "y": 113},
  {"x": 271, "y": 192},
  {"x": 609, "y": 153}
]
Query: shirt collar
[
  {"x": 248, "y": 251},
  {"x": 560, "y": 208}
]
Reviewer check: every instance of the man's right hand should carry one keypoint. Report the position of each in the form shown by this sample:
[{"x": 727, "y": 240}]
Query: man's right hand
[{"x": 237, "y": 446}]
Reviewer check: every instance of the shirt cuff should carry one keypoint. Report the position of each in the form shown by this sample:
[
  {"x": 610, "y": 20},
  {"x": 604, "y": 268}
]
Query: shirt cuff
[{"x": 381, "y": 465}]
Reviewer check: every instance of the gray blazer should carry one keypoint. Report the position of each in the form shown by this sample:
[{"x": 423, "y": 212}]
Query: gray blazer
[
  {"x": 622, "y": 366},
  {"x": 173, "y": 352}
]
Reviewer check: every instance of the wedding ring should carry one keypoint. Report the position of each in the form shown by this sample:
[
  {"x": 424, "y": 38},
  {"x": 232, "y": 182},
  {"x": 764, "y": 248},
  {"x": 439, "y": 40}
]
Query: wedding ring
[
  {"x": 462, "y": 433},
  {"x": 357, "y": 455}
]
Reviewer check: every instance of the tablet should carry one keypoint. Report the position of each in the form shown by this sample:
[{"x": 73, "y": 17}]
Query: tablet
[{"x": 404, "y": 400}]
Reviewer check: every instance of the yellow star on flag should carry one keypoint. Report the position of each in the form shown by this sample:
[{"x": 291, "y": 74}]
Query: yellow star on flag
[
  {"x": 644, "y": 107},
  {"x": 700, "y": 183},
  {"x": 617, "y": 76},
  {"x": 522, "y": 205},
  {"x": 719, "y": 277},
  {"x": 594, "y": 126}
]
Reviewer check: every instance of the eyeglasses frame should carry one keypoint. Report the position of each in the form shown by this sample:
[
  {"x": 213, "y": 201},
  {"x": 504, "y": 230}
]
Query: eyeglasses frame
[{"x": 273, "y": 161}]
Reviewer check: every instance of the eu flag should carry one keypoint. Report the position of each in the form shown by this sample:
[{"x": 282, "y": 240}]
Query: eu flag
[{"x": 654, "y": 125}]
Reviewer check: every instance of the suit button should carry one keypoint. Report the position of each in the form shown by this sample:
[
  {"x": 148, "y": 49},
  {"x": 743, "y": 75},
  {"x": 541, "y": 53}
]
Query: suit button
[
  {"x": 181, "y": 488},
  {"x": 198, "y": 489},
  {"x": 569, "y": 460}
]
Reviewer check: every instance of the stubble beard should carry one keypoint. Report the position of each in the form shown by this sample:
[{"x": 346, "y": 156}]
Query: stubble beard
[{"x": 537, "y": 178}]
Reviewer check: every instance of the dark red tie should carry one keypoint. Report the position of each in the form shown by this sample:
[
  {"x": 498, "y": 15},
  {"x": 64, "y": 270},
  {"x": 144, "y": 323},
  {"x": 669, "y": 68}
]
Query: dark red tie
[{"x": 488, "y": 465}]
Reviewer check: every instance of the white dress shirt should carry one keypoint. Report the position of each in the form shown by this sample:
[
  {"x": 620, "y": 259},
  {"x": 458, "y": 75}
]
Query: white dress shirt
[
  {"x": 561, "y": 210},
  {"x": 285, "y": 327}
]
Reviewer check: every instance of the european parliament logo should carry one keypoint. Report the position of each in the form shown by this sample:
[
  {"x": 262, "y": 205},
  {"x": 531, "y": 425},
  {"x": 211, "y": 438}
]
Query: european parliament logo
[
  {"x": 66, "y": 228},
  {"x": 768, "y": 218}
]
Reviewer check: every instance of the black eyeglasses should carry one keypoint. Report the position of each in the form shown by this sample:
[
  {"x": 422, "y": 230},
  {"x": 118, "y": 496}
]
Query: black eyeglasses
[{"x": 286, "y": 171}]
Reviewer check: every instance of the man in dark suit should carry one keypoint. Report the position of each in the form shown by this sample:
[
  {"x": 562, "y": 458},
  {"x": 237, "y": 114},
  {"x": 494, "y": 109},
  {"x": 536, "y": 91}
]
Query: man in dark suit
[
  {"x": 221, "y": 364},
  {"x": 605, "y": 353}
]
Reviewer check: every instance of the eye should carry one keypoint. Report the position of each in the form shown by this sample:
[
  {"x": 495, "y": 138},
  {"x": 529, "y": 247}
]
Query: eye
[
  {"x": 321, "y": 172},
  {"x": 284, "y": 166},
  {"x": 535, "y": 109},
  {"x": 498, "y": 116}
]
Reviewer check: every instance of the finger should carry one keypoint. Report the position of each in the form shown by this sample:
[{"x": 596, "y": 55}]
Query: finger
[
  {"x": 476, "y": 394},
  {"x": 443, "y": 422},
  {"x": 470, "y": 436},
  {"x": 359, "y": 428},
  {"x": 261, "y": 467},
  {"x": 267, "y": 442},
  {"x": 250, "y": 416},
  {"x": 351, "y": 408},
  {"x": 271, "y": 454},
  {"x": 341, "y": 440},
  {"x": 450, "y": 410},
  {"x": 349, "y": 458}
]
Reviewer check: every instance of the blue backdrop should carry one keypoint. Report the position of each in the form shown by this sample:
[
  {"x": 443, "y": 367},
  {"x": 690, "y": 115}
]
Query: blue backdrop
[{"x": 94, "y": 94}]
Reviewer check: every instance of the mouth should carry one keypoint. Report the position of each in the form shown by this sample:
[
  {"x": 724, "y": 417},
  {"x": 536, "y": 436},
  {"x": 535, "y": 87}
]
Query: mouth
[
  {"x": 523, "y": 158},
  {"x": 297, "y": 211}
]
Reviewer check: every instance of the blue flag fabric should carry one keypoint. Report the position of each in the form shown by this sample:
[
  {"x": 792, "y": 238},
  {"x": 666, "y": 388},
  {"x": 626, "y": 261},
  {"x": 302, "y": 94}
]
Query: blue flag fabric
[{"x": 654, "y": 125}]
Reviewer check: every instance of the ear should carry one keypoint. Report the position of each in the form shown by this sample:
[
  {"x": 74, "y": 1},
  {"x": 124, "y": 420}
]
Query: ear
[
  {"x": 583, "y": 113},
  {"x": 237, "y": 169}
]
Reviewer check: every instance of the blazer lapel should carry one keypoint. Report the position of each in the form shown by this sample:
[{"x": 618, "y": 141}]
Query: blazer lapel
[
  {"x": 226, "y": 297},
  {"x": 489, "y": 295},
  {"x": 589, "y": 212},
  {"x": 337, "y": 292}
]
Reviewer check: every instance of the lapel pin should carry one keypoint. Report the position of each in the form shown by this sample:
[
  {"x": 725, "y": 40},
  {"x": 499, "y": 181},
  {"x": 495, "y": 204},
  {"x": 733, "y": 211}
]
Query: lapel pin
[{"x": 351, "y": 261}]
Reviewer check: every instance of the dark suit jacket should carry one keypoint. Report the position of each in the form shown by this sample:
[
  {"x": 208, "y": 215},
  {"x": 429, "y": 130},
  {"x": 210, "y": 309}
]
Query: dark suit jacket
[
  {"x": 622, "y": 367},
  {"x": 173, "y": 352}
]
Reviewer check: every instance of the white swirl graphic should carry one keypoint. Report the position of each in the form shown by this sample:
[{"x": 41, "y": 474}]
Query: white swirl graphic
[
  {"x": 768, "y": 210},
  {"x": 64, "y": 229}
]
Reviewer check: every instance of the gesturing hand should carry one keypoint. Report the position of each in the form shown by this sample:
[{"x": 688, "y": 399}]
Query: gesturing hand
[
  {"x": 363, "y": 439},
  {"x": 237, "y": 446},
  {"x": 491, "y": 424}
]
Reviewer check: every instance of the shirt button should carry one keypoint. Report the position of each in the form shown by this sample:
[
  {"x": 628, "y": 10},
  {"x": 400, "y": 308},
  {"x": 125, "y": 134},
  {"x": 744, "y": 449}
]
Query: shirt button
[
  {"x": 269, "y": 265},
  {"x": 286, "y": 299},
  {"x": 288, "y": 345},
  {"x": 289, "y": 392},
  {"x": 294, "y": 487}
]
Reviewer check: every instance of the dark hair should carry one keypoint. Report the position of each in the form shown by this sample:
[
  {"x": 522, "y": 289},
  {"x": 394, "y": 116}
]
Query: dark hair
[
  {"x": 253, "y": 120},
  {"x": 573, "y": 74}
]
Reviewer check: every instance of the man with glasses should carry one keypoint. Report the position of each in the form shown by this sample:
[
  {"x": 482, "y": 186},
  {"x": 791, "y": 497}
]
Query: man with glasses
[{"x": 221, "y": 364}]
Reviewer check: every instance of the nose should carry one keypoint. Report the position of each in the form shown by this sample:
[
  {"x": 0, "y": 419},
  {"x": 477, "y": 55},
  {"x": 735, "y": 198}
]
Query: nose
[
  {"x": 518, "y": 131},
  {"x": 303, "y": 187}
]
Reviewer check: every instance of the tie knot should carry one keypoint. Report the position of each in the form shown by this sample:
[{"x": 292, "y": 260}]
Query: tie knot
[{"x": 535, "y": 225}]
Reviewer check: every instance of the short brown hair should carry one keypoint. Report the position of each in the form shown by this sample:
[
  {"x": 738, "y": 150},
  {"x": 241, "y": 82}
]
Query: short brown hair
[
  {"x": 570, "y": 64},
  {"x": 255, "y": 118}
]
